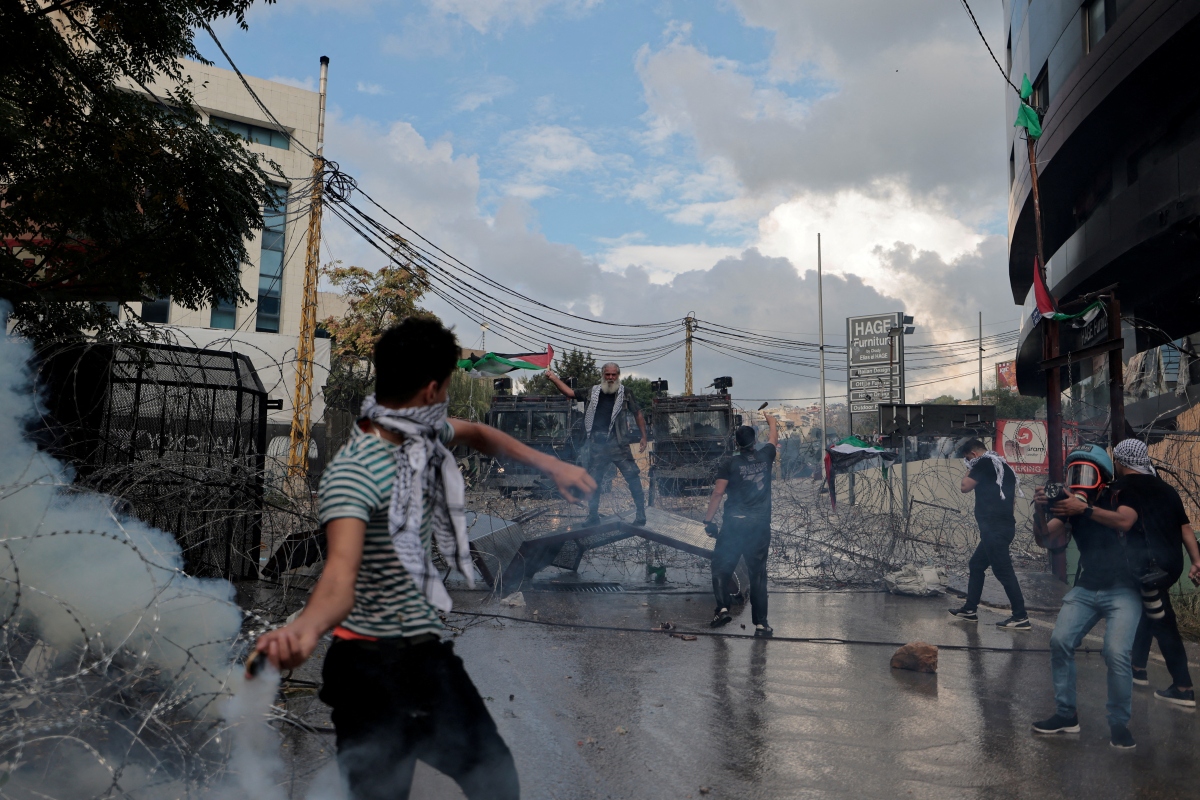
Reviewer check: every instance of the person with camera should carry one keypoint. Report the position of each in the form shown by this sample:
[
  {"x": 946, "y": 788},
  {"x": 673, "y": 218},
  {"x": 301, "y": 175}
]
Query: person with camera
[
  {"x": 746, "y": 533},
  {"x": 1156, "y": 555},
  {"x": 607, "y": 429},
  {"x": 995, "y": 484},
  {"x": 1105, "y": 587}
]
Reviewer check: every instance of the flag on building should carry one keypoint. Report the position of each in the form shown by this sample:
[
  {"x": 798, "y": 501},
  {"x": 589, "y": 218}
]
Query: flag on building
[
  {"x": 1045, "y": 307},
  {"x": 493, "y": 365}
]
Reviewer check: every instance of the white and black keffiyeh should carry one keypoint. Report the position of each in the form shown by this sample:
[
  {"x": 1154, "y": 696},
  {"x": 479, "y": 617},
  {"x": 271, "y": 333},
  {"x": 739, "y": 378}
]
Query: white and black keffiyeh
[
  {"x": 1134, "y": 454},
  {"x": 589, "y": 416},
  {"x": 423, "y": 461},
  {"x": 999, "y": 463}
]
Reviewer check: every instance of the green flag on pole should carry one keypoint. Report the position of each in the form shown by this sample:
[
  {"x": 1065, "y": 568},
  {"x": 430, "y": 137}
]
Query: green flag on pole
[{"x": 1027, "y": 116}]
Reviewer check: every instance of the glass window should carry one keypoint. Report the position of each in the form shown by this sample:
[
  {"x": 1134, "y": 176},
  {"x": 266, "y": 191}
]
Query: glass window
[
  {"x": 224, "y": 315},
  {"x": 514, "y": 423},
  {"x": 1094, "y": 23},
  {"x": 270, "y": 269},
  {"x": 697, "y": 424},
  {"x": 549, "y": 424},
  {"x": 253, "y": 133},
  {"x": 158, "y": 310}
]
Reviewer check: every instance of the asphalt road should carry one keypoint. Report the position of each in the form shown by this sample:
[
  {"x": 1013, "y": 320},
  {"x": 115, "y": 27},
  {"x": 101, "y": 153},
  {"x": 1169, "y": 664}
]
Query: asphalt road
[{"x": 608, "y": 714}]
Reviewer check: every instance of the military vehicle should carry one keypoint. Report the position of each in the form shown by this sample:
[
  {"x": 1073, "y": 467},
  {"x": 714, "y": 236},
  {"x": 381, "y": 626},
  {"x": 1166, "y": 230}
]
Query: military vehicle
[
  {"x": 691, "y": 434},
  {"x": 551, "y": 424}
]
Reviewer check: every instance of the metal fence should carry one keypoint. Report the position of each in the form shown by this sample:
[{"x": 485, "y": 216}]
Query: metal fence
[{"x": 177, "y": 433}]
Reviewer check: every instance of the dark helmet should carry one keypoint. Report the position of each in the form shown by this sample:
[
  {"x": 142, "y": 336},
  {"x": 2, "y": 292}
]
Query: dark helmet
[{"x": 745, "y": 437}]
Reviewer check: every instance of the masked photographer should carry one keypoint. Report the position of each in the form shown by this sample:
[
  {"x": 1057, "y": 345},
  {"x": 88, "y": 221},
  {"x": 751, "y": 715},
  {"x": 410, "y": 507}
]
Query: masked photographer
[
  {"x": 1155, "y": 553},
  {"x": 1105, "y": 588}
]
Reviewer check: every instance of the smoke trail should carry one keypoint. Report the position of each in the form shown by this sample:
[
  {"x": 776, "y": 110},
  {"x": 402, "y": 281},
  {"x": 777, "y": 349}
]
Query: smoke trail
[{"x": 107, "y": 647}]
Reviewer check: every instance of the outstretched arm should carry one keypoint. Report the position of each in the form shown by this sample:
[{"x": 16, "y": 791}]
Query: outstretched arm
[
  {"x": 1121, "y": 520},
  {"x": 773, "y": 430},
  {"x": 573, "y": 482},
  {"x": 560, "y": 384}
]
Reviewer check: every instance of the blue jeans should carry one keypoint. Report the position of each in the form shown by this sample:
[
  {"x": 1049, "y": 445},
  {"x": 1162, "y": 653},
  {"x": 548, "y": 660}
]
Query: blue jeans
[{"x": 1121, "y": 610}]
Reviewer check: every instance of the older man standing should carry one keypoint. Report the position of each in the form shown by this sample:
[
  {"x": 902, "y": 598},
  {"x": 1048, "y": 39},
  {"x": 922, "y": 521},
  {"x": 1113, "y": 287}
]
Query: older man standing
[{"x": 607, "y": 429}]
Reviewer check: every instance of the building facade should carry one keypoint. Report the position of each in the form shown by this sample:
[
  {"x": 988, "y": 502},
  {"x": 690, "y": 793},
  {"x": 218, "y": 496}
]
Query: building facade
[{"x": 1119, "y": 180}]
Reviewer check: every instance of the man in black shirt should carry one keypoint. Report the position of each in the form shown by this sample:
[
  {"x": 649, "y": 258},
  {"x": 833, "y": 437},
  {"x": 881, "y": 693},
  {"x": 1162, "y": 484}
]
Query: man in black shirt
[
  {"x": 607, "y": 428},
  {"x": 1104, "y": 589},
  {"x": 995, "y": 487},
  {"x": 1162, "y": 524},
  {"x": 746, "y": 480}
]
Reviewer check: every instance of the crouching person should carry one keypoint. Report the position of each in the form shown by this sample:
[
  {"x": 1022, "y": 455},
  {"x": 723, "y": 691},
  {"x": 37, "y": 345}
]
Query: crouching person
[
  {"x": 398, "y": 692},
  {"x": 1105, "y": 590}
]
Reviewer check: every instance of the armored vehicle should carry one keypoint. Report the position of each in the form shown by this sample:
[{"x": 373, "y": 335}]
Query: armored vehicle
[
  {"x": 552, "y": 424},
  {"x": 691, "y": 434}
]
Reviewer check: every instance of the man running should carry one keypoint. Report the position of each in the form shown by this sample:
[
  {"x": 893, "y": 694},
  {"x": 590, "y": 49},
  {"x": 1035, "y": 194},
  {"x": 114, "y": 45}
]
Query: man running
[
  {"x": 607, "y": 431},
  {"x": 398, "y": 692},
  {"x": 995, "y": 484},
  {"x": 746, "y": 533}
]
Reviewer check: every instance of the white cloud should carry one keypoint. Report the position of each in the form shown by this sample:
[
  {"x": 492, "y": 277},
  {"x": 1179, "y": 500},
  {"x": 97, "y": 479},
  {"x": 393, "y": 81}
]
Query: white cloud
[
  {"x": 664, "y": 262},
  {"x": 544, "y": 153},
  {"x": 371, "y": 88},
  {"x": 309, "y": 83},
  {"x": 489, "y": 15},
  {"x": 484, "y": 92}
]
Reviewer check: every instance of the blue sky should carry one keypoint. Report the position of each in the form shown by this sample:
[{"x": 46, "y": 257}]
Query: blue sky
[{"x": 624, "y": 159}]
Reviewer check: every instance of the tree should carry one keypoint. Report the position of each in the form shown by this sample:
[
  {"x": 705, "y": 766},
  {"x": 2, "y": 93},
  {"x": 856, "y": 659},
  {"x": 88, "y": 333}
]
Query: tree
[
  {"x": 107, "y": 194},
  {"x": 1010, "y": 405},
  {"x": 942, "y": 400},
  {"x": 573, "y": 364},
  {"x": 640, "y": 389},
  {"x": 377, "y": 301}
]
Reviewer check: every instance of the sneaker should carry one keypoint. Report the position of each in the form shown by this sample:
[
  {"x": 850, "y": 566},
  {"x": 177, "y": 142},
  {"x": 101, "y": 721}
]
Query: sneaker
[
  {"x": 1057, "y": 724},
  {"x": 1121, "y": 739},
  {"x": 591, "y": 520},
  {"x": 1180, "y": 697},
  {"x": 1141, "y": 677},
  {"x": 640, "y": 519},
  {"x": 764, "y": 631},
  {"x": 965, "y": 614},
  {"x": 1014, "y": 624},
  {"x": 722, "y": 617}
]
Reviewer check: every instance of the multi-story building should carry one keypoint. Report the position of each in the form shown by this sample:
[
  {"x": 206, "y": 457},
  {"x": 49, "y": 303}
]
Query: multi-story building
[{"x": 1119, "y": 179}]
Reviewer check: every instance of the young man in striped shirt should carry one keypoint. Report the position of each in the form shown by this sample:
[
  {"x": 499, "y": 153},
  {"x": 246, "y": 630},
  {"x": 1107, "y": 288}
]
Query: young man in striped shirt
[{"x": 397, "y": 690}]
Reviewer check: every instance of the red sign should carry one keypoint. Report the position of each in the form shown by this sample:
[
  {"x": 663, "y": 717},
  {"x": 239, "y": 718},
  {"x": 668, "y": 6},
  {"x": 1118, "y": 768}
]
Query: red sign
[
  {"x": 1022, "y": 442},
  {"x": 1006, "y": 375}
]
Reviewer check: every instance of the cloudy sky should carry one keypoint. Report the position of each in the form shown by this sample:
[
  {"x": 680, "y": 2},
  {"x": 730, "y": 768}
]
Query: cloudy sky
[{"x": 636, "y": 161}]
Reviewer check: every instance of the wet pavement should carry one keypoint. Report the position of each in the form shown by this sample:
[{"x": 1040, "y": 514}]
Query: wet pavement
[{"x": 635, "y": 714}]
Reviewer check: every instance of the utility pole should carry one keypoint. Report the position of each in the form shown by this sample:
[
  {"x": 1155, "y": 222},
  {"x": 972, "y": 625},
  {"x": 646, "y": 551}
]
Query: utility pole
[
  {"x": 821, "y": 348},
  {"x": 689, "y": 325},
  {"x": 302, "y": 399},
  {"x": 980, "y": 358},
  {"x": 1050, "y": 344}
]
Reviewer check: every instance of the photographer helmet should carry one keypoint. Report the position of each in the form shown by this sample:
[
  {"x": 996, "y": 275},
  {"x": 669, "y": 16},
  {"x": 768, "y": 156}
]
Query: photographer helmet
[{"x": 1089, "y": 467}]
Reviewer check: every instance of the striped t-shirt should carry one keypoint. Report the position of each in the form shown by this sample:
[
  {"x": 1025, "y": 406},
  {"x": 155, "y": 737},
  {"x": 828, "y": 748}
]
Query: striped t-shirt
[{"x": 357, "y": 483}]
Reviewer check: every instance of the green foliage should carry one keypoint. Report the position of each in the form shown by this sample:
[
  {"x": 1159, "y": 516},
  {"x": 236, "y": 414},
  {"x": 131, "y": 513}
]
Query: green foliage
[
  {"x": 108, "y": 195},
  {"x": 1010, "y": 405},
  {"x": 470, "y": 397},
  {"x": 640, "y": 389},
  {"x": 942, "y": 400}
]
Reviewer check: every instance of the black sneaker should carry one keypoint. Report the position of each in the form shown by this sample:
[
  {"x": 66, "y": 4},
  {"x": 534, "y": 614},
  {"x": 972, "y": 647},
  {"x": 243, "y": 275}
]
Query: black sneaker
[
  {"x": 965, "y": 614},
  {"x": 722, "y": 617},
  {"x": 1121, "y": 739},
  {"x": 1180, "y": 697},
  {"x": 1014, "y": 624},
  {"x": 591, "y": 520},
  {"x": 1141, "y": 677},
  {"x": 764, "y": 631},
  {"x": 1057, "y": 724},
  {"x": 640, "y": 519}
]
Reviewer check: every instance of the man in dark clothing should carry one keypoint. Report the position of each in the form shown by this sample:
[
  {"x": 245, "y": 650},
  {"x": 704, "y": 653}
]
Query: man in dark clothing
[
  {"x": 995, "y": 487},
  {"x": 1105, "y": 589},
  {"x": 606, "y": 425},
  {"x": 746, "y": 478},
  {"x": 1162, "y": 524}
]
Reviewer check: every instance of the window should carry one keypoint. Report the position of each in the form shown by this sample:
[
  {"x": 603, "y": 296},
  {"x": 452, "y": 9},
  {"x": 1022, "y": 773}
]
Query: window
[
  {"x": 1008, "y": 55},
  {"x": 253, "y": 133},
  {"x": 224, "y": 315},
  {"x": 697, "y": 424},
  {"x": 549, "y": 424},
  {"x": 1040, "y": 99},
  {"x": 1012, "y": 166},
  {"x": 158, "y": 310},
  {"x": 270, "y": 270},
  {"x": 514, "y": 423},
  {"x": 1093, "y": 24}
]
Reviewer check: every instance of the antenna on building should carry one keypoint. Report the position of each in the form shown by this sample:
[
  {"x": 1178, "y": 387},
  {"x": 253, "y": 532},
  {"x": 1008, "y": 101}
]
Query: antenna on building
[{"x": 305, "y": 351}]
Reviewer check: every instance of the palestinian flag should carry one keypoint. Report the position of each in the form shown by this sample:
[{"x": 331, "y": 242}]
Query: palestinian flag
[
  {"x": 1045, "y": 306},
  {"x": 493, "y": 365}
]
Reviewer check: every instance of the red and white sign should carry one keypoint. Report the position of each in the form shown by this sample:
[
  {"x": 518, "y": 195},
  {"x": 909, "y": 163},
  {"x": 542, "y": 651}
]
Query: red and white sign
[
  {"x": 1006, "y": 375},
  {"x": 1022, "y": 442}
]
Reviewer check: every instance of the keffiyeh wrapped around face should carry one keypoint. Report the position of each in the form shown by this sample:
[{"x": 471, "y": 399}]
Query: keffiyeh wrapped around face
[
  {"x": 423, "y": 464},
  {"x": 999, "y": 463},
  {"x": 1134, "y": 455}
]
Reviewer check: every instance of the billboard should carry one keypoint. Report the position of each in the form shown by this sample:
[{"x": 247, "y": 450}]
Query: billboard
[
  {"x": 874, "y": 365},
  {"x": 1006, "y": 375},
  {"x": 1022, "y": 442}
]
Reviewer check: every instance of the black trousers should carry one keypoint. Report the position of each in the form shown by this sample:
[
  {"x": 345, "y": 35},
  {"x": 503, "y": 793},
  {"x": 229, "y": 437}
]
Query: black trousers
[
  {"x": 393, "y": 705},
  {"x": 992, "y": 552},
  {"x": 746, "y": 537},
  {"x": 604, "y": 455},
  {"x": 1170, "y": 643}
]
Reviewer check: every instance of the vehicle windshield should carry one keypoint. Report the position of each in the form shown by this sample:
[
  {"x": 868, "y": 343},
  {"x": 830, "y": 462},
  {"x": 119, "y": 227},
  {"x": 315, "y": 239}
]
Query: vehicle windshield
[
  {"x": 549, "y": 424},
  {"x": 514, "y": 423},
  {"x": 700, "y": 424}
]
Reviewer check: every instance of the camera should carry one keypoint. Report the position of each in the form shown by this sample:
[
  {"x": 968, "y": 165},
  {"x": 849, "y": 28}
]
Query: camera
[
  {"x": 1054, "y": 492},
  {"x": 722, "y": 385}
]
